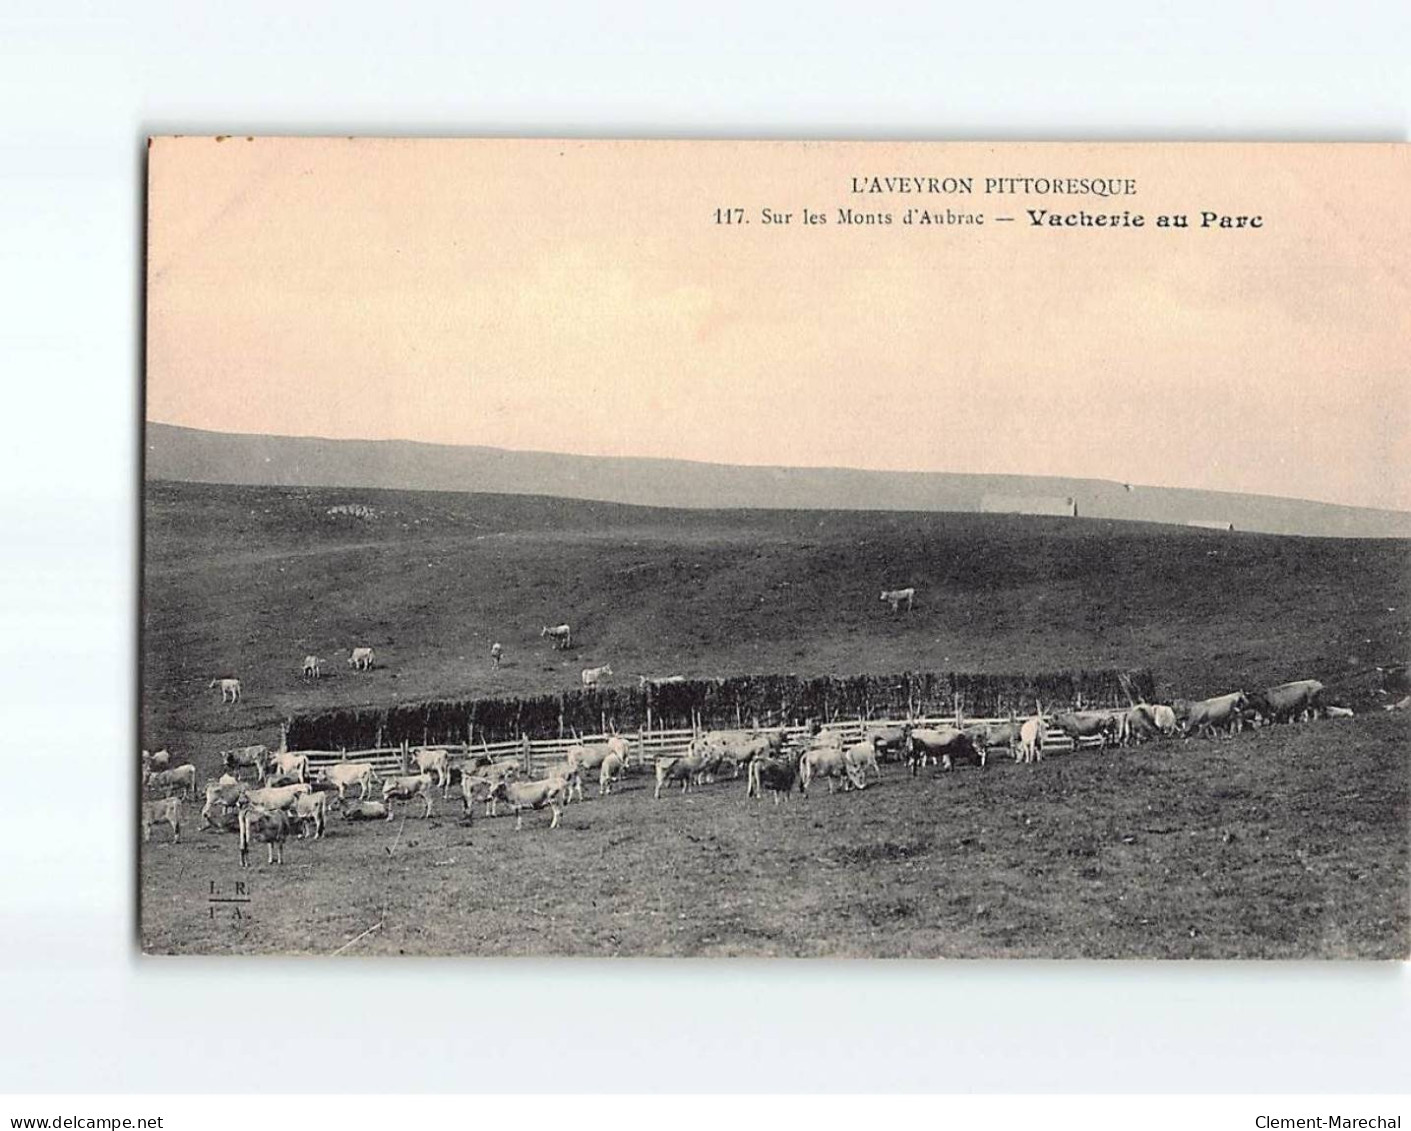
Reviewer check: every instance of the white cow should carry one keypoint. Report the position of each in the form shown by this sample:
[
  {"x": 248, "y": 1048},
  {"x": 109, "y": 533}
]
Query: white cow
[
  {"x": 293, "y": 764},
  {"x": 229, "y": 689},
  {"x": 593, "y": 676},
  {"x": 313, "y": 667},
  {"x": 434, "y": 760},
  {"x": 897, "y": 597},
  {"x": 155, "y": 812},
  {"x": 345, "y": 774},
  {"x": 361, "y": 659},
  {"x": 1031, "y": 740},
  {"x": 182, "y": 777}
]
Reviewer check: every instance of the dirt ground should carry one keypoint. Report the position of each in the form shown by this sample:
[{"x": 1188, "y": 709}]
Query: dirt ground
[{"x": 1284, "y": 842}]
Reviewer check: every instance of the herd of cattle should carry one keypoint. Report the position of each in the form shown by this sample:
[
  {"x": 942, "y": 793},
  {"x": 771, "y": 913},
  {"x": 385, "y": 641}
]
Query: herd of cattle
[{"x": 268, "y": 796}]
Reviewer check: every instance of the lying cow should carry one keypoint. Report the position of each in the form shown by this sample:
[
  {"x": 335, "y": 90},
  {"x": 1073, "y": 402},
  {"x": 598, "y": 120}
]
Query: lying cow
[
  {"x": 181, "y": 778},
  {"x": 225, "y": 792},
  {"x": 944, "y": 745},
  {"x": 522, "y": 795},
  {"x": 345, "y": 774},
  {"x": 366, "y": 811},
  {"x": 268, "y": 825},
  {"x": 409, "y": 788},
  {"x": 311, "y": 811},
  {"x": 156, "y": 812}
]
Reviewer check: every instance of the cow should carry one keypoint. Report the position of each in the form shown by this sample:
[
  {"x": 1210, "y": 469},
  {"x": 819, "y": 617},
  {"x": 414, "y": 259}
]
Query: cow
[
  {"x": 366, "y": 811},
  {"x": 1209, "y": 716},
  {"x": 311, "y": 809},
  {"x": 495, "y": 653},
  {"x": 650, "y": 681},
  {"x": 1031, "y": 739},
  {"x": 829, "y": 762},
  {"x": 275, "y": 781},
  {"x": 226, "y": 792},
  {"x": 614, "y": 768},
  {"x": 560, "y": 635},
  {"x": 580, "y": 759},
  {"x": 156, "y": 812},
  {"x": 1077, "y": 725},
  {"x": 434, "y": 760},
  {"x": 593, "y": 676},
  {"x": 229, "y": 689},
  {"x": 295, "y": 765},
  {"x": 741, "y": 747},
  {"x": 245, "y": 758},
  {"x": 182, "y": 777},
  {"x": 1288, "y": 702},
  {"x": 776, "y": 773},
  {"x": 896, "y": 597},
  {"x": 890, "y": 742},
  {"x": 360, "y": 659},
  {"x": 522, "y": 795},
  {"x": 1163, "y": 718},
  {"x": 683, "y": 768},
  {"x": 268, "y": 825},
  {"x": 277, "y": 796},
  {"x": 1336, "y": 712},
  {"x": 1136, "y": 724},
  {"x": 943, "y": 744},
  {"x": 313, "y": 667},
  {"x": 158, "y": 761},
  {"x": 345, "y": 774},
  {"x": 408, "y": 788},
  {"x": 863, "y": 755},
  {"x": 991, "y": 735}
]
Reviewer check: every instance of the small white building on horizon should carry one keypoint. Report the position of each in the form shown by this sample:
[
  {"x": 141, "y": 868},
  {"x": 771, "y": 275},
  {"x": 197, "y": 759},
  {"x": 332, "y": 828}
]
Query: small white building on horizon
[{"x": 1061, "y": 505}]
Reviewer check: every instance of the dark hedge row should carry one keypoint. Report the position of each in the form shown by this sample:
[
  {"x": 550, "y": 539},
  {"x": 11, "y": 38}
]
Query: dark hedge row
[{"x": 766, "y": 700}]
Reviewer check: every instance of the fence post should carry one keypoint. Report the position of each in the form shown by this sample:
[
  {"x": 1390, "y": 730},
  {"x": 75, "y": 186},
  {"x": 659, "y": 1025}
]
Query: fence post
[
  {"x": 527, "y": 757},
  {"x": 406, "y": 756}
]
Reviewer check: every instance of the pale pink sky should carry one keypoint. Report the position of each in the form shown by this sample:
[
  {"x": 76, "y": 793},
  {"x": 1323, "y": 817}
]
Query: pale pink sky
[{"x": 577, "y": 296}]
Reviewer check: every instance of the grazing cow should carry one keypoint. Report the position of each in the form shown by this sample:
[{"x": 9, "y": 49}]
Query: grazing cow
[
  {"x": 614, "y": 768},
  {"x": 944, "y": 745},
  {"x": 229, "y": 689},
  {"x": 277, "y": 796},
  {"x": 1077, "y": 725},
  {"x": 294, "y": 764},
  {"x": 409, "y": 788},
  {"x": 683, "y": 768},
  {"x": 776, "y": 773},
  {"x": 311, "y": 809},
  {"x": 345, "y": 774},
  {"x": 1210, "y": 716},
  {"x": 593, "y": 676},
  {"x": 246, "y": 758},
  {"x": 1288, "y": 702},
  {"x": 560, "y": 635},
  {"x": 896, "y": 597},
  {"x": 495, "y": 653},
  {"x": 366, "y": 811},
  {"x": 182, "y": 777},
  {"x": 1031, "y": 740},
  {"x": 434, "y": 760},
  {"x": 158, "y": 761},
  {"x": 1163, "y": 718},
  {"x": 155, "y": 812},
  {"x": 268, "y": 825},
  {"x": 829, "y": 762},
  {"x": 522, "y": 795},
  {"x": 313, "y": 667},
  {"x": 991, "y": 735},
  {"x": 361, "y": 659},
  {"x": 225, "y": 792},
  {"x": 863, "y": 755},
  {"x": 890, "y": 742}
]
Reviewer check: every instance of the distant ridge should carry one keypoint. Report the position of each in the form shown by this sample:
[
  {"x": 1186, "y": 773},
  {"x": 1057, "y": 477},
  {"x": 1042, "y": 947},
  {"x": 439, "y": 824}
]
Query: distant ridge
[{"x": 193, "y": 455}]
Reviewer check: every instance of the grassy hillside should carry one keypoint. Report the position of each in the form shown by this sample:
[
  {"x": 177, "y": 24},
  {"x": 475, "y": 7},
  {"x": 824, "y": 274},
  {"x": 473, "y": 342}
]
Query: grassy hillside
[{"x": 246, "y": 580}]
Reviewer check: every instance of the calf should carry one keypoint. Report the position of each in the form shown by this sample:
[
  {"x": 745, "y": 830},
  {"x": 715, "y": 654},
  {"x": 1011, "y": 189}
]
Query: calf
[
  {"x": 155, "y": 812},
  {"x": 311, "y": 809},
  {"x": 409, "y": 788},
  {"x": 522, "y": 795},
  {"x": 268, "y": 825}
]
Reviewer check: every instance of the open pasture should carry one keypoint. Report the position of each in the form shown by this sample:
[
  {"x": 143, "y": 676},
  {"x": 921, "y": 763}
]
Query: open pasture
[{"x": 1289, "y": 841}]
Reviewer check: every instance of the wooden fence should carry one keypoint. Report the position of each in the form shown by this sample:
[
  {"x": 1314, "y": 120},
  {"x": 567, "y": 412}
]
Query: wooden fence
[{"x": 644, "y": 747}]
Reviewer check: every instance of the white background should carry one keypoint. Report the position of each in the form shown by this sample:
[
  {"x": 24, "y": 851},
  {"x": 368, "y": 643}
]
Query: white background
[{"x": 80, "y": 86}]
